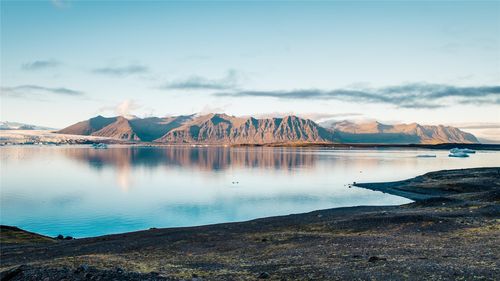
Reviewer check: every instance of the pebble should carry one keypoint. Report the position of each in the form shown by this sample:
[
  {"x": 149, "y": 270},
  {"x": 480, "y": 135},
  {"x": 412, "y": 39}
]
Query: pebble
[
  {"x": 375, "y": 259},
  {"x": 264, "y": 275}
]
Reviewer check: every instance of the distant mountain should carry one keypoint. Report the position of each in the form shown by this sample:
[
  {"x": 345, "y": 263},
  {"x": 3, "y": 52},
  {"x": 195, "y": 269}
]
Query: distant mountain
[
  {"x": 225, "y": 129},
  {"x": 375, "y": 132},
  {"x": 20, "y": 126},
  {"x": 88, "y": 127},
  {"x": 136, "y": 129},
  {"x": 210, "y": 129}
]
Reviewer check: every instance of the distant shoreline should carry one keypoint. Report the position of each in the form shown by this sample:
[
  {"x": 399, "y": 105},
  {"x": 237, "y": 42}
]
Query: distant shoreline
[
  {"x": 442, "y": 146},
  {"x": 47, "y": 137}
]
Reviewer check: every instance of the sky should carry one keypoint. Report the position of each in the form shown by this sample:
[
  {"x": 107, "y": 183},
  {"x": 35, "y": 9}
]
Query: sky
[{"x": 430, "y": 62}]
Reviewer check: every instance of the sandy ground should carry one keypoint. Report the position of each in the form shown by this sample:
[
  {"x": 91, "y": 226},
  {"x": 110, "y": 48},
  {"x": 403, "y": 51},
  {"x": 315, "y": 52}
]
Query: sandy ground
[{"x": 451, "y": 234}]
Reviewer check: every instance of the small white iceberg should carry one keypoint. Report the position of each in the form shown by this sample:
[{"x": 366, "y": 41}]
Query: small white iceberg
[
  {"x": 462, "y": 150},
  {"x": 99, "y": 145},
  {"x": 426, "y": 156},
  {"x": 458, "y": 154}
]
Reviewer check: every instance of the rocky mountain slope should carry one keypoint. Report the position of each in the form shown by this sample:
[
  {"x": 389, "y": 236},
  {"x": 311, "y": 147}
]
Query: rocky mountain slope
[
  {"x": 375, "y": 132},
  {"x": 221, "y": 128},
  {"x": 225, "y": 129},
  {"x": 135, "y": 129}
]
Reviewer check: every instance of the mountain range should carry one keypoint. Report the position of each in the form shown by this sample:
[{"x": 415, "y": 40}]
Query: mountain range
[
  {"x": 226, "y": 129},
  {"x": 375, "y": 132},
  {"x": 6, "y": 125}
]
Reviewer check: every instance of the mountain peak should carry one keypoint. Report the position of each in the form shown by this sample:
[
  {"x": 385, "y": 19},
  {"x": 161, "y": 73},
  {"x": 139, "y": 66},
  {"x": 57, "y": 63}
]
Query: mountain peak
[
  {"x": 221, "y": 128},
  {"x": 376, "y": 132}
]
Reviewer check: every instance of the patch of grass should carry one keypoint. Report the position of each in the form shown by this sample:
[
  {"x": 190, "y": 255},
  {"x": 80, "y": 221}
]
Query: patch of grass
[
  {"x": 13, "y": 235},
  {"x": 486, "y": 229}
]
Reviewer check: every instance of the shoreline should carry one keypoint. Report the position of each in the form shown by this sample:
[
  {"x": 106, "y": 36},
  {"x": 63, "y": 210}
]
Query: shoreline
[
  {"x": 340, "y": 146},
  {"x": 456, "y": 213}
]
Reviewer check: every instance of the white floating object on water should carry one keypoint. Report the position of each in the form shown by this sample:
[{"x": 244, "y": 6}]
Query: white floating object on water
[
  {"x": 462, "y": 150},
  {"x": 426, "y": 156},
  {"x": 459, "y": 155},
  {"x": 99, "y": 145}
]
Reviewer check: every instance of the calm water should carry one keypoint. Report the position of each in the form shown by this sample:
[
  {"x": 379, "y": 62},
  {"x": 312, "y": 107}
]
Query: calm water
[{"x": 80, "y": 191}]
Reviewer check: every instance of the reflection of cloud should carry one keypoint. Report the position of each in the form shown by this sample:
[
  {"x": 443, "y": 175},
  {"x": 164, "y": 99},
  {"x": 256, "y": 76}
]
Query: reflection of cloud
[
  {"x": 202, "y": 83},
  {"x": 123, "y": 177},
  {"x": 413, "y": 95}
]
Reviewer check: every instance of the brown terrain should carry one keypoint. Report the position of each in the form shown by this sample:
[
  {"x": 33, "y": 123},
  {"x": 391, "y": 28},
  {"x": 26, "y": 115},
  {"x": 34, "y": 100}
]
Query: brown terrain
[
  {"x": 375, "y": 132},
  {"x": 451, "y": 232},
  {"x": 230, "y": 130}
]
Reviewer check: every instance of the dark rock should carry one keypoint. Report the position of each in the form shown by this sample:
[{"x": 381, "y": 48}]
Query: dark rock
[
  {"x": 60, "y": 237},
  {"x": 264, "y": 275},
  {"x": 82, "y": 268},
  {"x": 68, "y": 238},
  {"x": 375, "y": 259},
  {"x": 119, "y": 270},
  {"x": 264, "y": 240},
  {"x": 10, "y": 274}
]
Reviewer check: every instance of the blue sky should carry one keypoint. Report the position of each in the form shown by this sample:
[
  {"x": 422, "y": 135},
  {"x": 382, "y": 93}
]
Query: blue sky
[{"x": 397, "y": 61}]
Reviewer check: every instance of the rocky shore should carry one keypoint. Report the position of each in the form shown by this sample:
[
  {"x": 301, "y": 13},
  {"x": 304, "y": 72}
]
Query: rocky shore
[{"x": 450, "y": 232}]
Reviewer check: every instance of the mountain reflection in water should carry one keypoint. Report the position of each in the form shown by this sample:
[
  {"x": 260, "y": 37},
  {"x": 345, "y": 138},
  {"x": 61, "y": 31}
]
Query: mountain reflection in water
[
  {"x": 203, "y": 158},
  {"x": 81, "y": 191}
]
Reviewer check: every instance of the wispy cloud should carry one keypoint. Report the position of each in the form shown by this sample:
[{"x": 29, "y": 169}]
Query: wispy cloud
[
  {"x": 35, "y": 91},
  {"x": 478, "y": 125},
  {"x": 414, "y": 95},
  {"x": 122, "y": 70},
  {"x": 201, "y": 83},
  {"x": 124, "y": 108},
  {"x": 40, "y": 64}
]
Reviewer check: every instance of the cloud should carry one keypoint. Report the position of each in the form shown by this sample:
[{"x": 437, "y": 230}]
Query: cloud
[
  {"x": 121, "y": 70},
  {"x": 478, "y": 125},
  {"x": 124, "y": 108},
  {"x": 201, "y": 83},
  {"x": 414, "y": 95},
  {"x": 214, "y": 109},
  {"x": 29, "y": 91},
  {"x": 40, "y": 65},
  {"x": 312, "y": 116}
]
